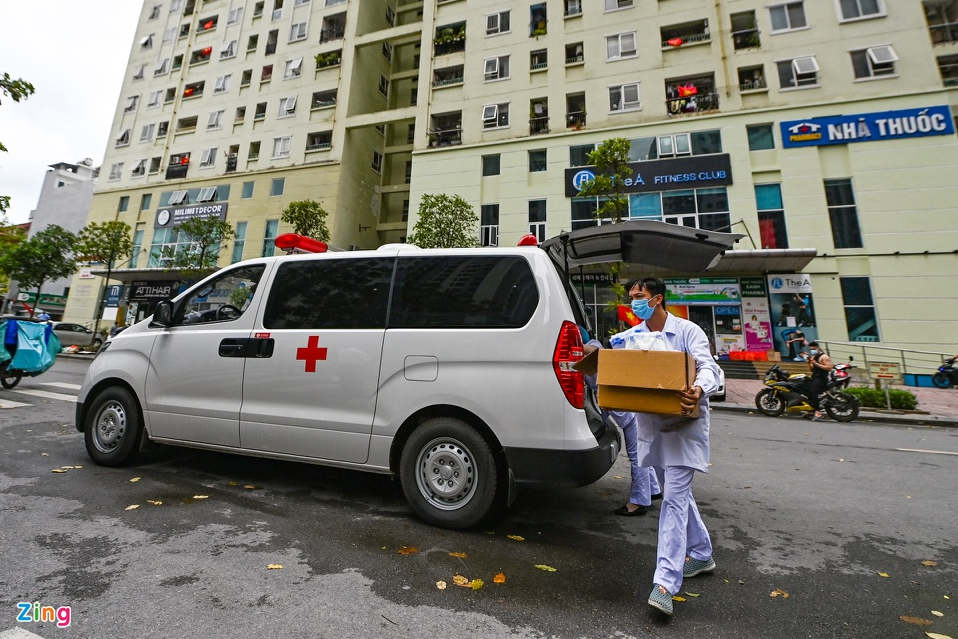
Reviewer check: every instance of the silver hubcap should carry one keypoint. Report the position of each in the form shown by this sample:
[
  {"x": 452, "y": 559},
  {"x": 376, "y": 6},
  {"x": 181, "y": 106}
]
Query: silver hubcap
[
  {"x": 109, "y": 427},
  {"x": 446, "y": 474}
]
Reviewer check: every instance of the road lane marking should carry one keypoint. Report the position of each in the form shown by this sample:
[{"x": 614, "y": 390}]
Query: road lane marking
[
  {"x": 6, "y": 403},
  {"x": 45, "y": 394},
  {"x": 62, "y": 385},
  {"x": 930, "y": 452}
]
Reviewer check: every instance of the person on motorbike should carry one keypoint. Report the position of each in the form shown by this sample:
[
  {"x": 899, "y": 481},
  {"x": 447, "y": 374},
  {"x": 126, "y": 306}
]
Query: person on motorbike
[{"x": 819, "y": 365}]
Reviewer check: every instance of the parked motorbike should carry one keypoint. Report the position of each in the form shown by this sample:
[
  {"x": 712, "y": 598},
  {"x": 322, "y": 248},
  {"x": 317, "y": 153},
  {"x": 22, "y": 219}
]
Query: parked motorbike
[
  {"x": 9, "y": 377},
  {"x": 947, "y": 375},
  {"x": 786, "y": 392}
]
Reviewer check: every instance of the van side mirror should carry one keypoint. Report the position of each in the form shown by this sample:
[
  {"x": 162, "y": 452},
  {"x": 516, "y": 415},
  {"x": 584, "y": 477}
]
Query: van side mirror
[{"x": 162, "y": 315}]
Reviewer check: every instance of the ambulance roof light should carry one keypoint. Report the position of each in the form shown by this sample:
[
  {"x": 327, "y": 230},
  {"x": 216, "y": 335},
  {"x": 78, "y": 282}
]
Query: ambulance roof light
[
  {"x": 528, "y": 239},
  {"x": 296, "y": 243}
]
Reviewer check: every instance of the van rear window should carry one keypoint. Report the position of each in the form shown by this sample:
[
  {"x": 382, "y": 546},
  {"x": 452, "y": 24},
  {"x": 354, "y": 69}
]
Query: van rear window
[
  {"x": 463, "y": 292},
  {"x": 341, "y": 293}
]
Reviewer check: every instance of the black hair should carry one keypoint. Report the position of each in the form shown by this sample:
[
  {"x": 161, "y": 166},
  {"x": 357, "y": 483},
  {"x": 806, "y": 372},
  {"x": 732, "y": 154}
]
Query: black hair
[
  {"x": 654, "y": 286},
  {"x": 810, "y": 344}
]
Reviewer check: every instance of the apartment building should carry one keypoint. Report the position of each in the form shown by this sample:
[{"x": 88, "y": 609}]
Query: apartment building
[{"x": 823, "y": 130}]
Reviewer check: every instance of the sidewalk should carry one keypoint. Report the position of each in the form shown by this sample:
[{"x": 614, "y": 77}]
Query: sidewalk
[{"x": 936, "y": 406}]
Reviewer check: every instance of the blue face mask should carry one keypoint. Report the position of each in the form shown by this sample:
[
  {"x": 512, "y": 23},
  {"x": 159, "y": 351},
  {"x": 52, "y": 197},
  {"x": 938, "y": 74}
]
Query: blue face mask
[{"x": 642, "y": 309}]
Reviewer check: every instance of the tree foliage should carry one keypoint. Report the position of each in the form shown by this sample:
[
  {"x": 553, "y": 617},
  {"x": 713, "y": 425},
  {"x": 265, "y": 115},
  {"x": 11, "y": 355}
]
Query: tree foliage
[
  {"x": 105, "y": 242},
  {"x": 48, "y": 255},
  {"x": 10, "y": 236},
  {"x": 308, "y": 218},
  {"x": 611, "y": 162},
  {"x": 204, "y": 241},
  {"x": 18, "y": 89},
  {"x": 445, "y": 222}
]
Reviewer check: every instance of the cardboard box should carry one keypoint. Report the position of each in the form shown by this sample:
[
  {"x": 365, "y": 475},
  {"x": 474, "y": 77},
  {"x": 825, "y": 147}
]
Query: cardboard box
[
  {"x": 774, "y": 356},
  {"x": 640, "y": 381}
]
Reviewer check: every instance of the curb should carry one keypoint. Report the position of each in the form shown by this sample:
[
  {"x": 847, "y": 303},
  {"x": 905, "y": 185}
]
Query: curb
[{"x": 864, "y": 416}]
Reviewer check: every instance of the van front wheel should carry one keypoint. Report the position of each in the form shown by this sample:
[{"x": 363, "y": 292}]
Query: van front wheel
[{"x": 449, "y": 474}]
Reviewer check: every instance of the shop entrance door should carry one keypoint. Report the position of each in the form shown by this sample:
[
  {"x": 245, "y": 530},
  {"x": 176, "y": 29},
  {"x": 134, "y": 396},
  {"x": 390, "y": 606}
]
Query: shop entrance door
[{"x": 702, "y": 315}]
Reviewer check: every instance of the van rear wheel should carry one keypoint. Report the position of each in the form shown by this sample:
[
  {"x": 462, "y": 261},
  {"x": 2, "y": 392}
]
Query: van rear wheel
[{"x": 449, "y": 474}]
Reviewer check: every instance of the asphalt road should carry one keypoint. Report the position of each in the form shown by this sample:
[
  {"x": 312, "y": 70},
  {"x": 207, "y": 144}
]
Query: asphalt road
[{"x": 838, "y": 516}]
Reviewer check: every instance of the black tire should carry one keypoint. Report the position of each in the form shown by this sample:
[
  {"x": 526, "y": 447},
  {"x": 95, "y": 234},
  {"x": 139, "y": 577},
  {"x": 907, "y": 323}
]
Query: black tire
[
  {"x": 769, "y": 402},
  {"x": 842, "y": 407},
  {"x": 449, "y": 474},
  {"x": 113, "y": 428},
  {"x": 941, "y": 380},
  {"x": 97, "y": 343},
  {"x": 9, "y": 379}
]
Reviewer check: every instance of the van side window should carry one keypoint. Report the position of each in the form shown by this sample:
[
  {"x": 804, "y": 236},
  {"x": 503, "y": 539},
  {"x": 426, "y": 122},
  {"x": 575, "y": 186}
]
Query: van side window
[
  {"x": 224, "y": 299},
  {"x": 330, "y": 293},
  {"x": 463, "y": 292}
]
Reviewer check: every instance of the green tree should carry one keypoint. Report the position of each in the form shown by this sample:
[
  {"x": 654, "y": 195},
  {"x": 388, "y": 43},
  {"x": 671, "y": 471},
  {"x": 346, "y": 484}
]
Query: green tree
[
  {"x": 106, "y": 243},
  {"x": 308, "y": 218},
  {"x": 18, "y": 89},
  {"x": 611, "y": 162},
  {"x": 48, "y": 255},
  {"x": 10, "y": 236},
  {"x": 205, "y": 237},
  {"x": 445, "y": 222}
]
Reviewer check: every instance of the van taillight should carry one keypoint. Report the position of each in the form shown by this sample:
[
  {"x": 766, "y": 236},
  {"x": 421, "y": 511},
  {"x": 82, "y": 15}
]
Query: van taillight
[{"x": 569, "y": 351}]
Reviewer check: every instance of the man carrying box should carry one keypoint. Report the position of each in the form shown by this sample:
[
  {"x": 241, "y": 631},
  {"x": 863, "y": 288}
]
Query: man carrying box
[{"x": 677, "y": 447}]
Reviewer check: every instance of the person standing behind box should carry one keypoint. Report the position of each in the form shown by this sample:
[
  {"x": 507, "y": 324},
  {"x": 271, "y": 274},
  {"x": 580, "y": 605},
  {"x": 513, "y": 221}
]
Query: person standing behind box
[{"x": 677, "y": 447}]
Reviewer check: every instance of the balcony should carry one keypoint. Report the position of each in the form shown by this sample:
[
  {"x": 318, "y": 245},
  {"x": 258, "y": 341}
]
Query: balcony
[
  {"x": 698, "y": 103},
  {"x": 319, "y": 146},
  {"x": 573, "y": 8},
  {"x": 688, "y": 33},
  {"x": 450, "y": 39},
  {"x": 445, "y": 137},
  {"x": 745, "y": 31},
  {"x": 448, "y": 76},
  {"x": 539, "y": 126},
  {"x": 176, "y": 171},
  {"x": 943, "y": 33},
  {"x": 575, "y": 119},
  {"x": 752, "y": 79},
  {"x": 330, "y": 59},
  {"x": 328, "y": 35}
]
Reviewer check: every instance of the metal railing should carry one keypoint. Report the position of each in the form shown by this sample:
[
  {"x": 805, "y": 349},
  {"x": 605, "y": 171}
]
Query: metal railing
[
  {"x": 745, "y": 39},
  {"x": 912, "y": 362},
  {"x": 538, "y": 125},
  {"x": 575, "y": 119},
  {"x": 697, "y": 103},
  {"x": 942, "y": 33},
  {"x": 688, "y": 38},
  {"x": 445, "y": 137}
]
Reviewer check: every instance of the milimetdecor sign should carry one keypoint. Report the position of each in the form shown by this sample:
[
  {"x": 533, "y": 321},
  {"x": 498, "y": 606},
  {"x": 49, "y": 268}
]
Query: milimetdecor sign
[
  {"x": 692, "y": 172},
  {"x": 868, "y": 127},
  {"x": 169, "y": 216}
]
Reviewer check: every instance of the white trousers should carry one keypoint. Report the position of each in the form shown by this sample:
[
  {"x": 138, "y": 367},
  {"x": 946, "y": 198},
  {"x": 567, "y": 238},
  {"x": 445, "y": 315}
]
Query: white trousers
[
  {"x": 644, "y": 482},
  {"x": 681, "y": 530}
]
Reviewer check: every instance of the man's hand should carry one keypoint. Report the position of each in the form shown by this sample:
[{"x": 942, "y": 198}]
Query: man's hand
[{"x": 690, "y": 398}]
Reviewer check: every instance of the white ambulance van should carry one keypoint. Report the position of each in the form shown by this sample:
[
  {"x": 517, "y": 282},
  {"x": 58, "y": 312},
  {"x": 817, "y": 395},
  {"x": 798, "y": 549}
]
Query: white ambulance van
[{"x": 449, "y": 368}]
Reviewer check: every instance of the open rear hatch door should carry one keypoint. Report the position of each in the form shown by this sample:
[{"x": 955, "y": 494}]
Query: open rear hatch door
[{"x": 647, "y": 245}]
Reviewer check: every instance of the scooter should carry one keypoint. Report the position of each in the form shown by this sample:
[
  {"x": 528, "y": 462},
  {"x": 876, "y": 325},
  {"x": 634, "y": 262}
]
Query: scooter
[
  {"x": 9, "y": 377},
  {"x": 947, "y": 375},
  {"x": 786, "y": 392}
]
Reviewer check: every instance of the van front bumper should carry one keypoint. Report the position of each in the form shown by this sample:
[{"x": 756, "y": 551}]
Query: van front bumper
[{"x": 564, "y": 467}]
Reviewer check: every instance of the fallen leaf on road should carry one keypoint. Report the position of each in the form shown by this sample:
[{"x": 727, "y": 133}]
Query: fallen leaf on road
[
  {"x": 135, "y": 479},
  {"x": 274, "y": 567},
  {"x": 545, "y": 567},
  {"x": 677, "y": 598},
  {"x": 778, "y": 592},
  {"x": 459, "y": 580},
  {"x": 928, "y": 562},
  {"x": 441, "y": 585},
  {"x": 841, "y": 460},
  {"x": 499, "y": 579},
  {"x": 918, "y": 621},
  {"x": 187, "y": 500},
  {"x": 477, "y": 584},
  {"x": 70, "y": 467},
  {"x": 44, "y": 454},
  {"x": 249, "y": 487},
  {"x": 201, "y": 497},
  {"x": 458, "y": 555},
  {"x": 231, "y": 483},
  {"x": 617, "y": 476},
  {"x": 133, "y": 507},
  {"x": 935, "y": 635},
  {"x": 58, "y": 470},
  {"x": 937, "y": 614},
  {"x": 692, "y": 594},
  {"x": 408, "y": 550},
  {"x": 155, "y": 502},
  {"x": 516, "y": 537},
  {"x": 883, "y": 574}
]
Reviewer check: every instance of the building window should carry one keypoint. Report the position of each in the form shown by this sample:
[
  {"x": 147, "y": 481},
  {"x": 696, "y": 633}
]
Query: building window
[
  {"x": 798, "y": 72},
  {"x": 760, "y": 137},
  {"x": 671, "y": 146},
  {"x": 447, "y": 76},
  {"x": 247, "y": 190},
  {"x": 145, "y": 201},
  {"x": 229, "y": 49},
  {"x": 706, "y": 209},
  {"x": 139, "y": 169},
  {"x": 253, "y": 151},
  {"x": 137, "y": 248},
  {"x": 319, "y": 141},
  {"x": 620, "y": 46},
  {"x": 207, "y": 193},
  {"x": 294, "y": 68},
  {"x": 537, "y": 219},
  {"x": 611, "y": 5},
  {"x": 116, "y": 170},
  {"x": 497, "y": 23},
  {"x": 139, "y": 72},
  {"x": 384, "y": 85},
  {"x": 771, "y": 216},
  {"x": 287, "y": 106},
  {"x": 495, "y": 116},
  {"x": 155, "y": 165},
  {"x": 489, "y": 225},
  {"x": 624, "y": 97},
  {"x": 573, "y": 8},
  {"x": 146, "y": 133},
  {"x": 208, "y": 158},
  {"x": 787, "y": 17},
  {"x": 859, "y": 305},
  {"x": 579, "y": 155},
  {"x": 124, "y": 204},
  {"x": 574, "y": 53},
  {"x": 281, "y": 146},
  {"x": 260, "y": 112},
  {"x": 948, "y": 68},
  {"x": 222, "y": 84},
  {"x": 177, "y": 197},
  {"x": 131, "y": 103},
  {"x": 676, "y": 35},
  {"x": 745, "y": 30},
  {"x": 155, "y": 98},
  {"x": 490, "y": 165},
  {"x": 146, "y": 42},
  {"x": 583, "y": 213},
  {"x": 874, "y": 62},
  {"x": 537, "y": 161},
  {"x": 496, "y": 68},
  {"x": 377, "y": 163},
  {"x": 239, "y": 243},
  {"x": 278, "y": 186},
  {"x": 234, "y": 15},
  {"x": 269, "y": 238},
  {"x": 538, "y": 59},
  {"x": 860, "y": 9},
  {"x": 297, "y": 31},
  {"x": 752, "y": 78},
  {"x": 843, "y": 213}
]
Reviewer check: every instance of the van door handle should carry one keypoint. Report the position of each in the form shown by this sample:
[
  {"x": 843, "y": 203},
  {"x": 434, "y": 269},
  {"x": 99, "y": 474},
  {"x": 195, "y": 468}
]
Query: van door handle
[
  {"x": 261, "y": 347},
  {"x": 233, "y": 347}
]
